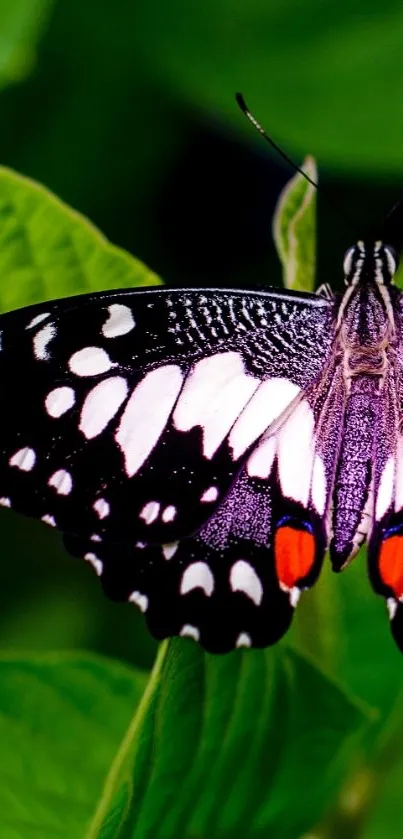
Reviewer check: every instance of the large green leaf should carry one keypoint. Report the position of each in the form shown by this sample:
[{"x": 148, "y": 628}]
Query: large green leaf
[
  {"x": 213, "y": 746},
  {"x": 251, "y": 744},
  {"x": 47, "y": 250},
  {"x": 61, "y": 720}
]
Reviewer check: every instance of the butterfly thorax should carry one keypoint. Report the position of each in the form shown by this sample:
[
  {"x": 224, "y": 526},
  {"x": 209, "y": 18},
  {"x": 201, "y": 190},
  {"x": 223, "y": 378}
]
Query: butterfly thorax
[
  {"x": 367, "y": 334},
  {"x": 367, "y": 318}
]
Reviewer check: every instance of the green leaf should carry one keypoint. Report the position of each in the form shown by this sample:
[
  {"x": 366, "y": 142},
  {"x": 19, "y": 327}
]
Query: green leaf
[
  {"x": 21, "y": 25},
  {"x": 247, "y": 745},
  {"x": 294, "y": 229},
  {"x": 47, "y": 250},
  {"x": 61, "y": 719}
]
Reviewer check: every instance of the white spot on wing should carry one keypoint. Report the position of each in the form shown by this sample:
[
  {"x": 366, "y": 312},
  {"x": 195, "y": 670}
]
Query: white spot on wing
[
  {"x": 209, "y": 495},
  {"x": 23, "y": 459},
  {"x": 48, "y": 519},
  {"x": 243, "y": 578},
  {"x": 399, "y": 476},
  {"x": 101, "y": 508},
  {"x": 90, "y": 361},
  {"x": 243, "y": 640},
  {"x": 59, "y": 400},
  {"x": 261, "y": 460},
  {"x": 120, "y": 321},
  {"x": 391, "y": 604},
  {"x": 146, "y": 415},
  {"x": 169, "y": 549},
  {"x": 41, "y": 340},
  {"x": 295, "y": 594},
  {"x": 318, "y": 487},
  {"x": 385, "y": 489},
  {"x": 268, "y": 402},
  {"x": 213, "y": 397},
  {"x": 37, "y": 319},
  {"x": 61, "y": 481},
  {"x": 101, "y": 404},
  {"x": 189, "y": 631},
  {"x": 150, "y": 511},
  {"x": 197, "y": 575},
  {"x": 169, "y": 513},
  {"x": 295, "y": 453},
  {"x": 141, "y": 600},
  {"x": 5, "y": 502},
  {"x": 95, "y": 562}
]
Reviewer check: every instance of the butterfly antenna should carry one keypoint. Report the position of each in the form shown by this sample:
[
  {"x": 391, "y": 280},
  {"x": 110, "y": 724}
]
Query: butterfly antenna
[
  {"x": 341, "y": 211},
  {"x": 245, "y": 110}
]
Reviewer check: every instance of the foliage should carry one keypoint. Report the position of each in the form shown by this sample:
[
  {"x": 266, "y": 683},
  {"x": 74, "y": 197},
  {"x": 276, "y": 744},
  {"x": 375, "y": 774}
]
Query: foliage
[
  {"x": 173, "y": 774},
  {"x": 294, "y": 230},
  {"x": 48, "y": 251}
]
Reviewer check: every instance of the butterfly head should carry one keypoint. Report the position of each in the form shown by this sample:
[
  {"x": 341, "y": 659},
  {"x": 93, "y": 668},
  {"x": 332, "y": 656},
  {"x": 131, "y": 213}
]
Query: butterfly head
[{"x": 370, "y": 263}]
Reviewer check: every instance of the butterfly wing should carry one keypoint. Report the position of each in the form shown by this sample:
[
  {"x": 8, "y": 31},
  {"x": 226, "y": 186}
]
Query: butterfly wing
[
  {"x": 137, "y": 422},
  {"x": 128, "y": 415},
  {"x": 237, "y": 580},
  {"x": 385, "y": 548}
]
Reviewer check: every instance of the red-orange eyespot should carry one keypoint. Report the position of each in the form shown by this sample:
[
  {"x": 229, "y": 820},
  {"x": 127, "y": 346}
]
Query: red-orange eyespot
[
  {"x": 390, "y": 564},
  {"x": 294, "y": 555}
]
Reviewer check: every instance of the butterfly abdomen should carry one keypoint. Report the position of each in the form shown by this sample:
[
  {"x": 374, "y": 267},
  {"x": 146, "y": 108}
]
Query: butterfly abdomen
[{"x": 354, "y": 469}]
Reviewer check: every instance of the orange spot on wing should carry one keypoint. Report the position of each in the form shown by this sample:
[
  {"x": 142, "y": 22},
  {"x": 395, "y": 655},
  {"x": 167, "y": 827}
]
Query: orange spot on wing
[
  {"x": 390, "y": 564},
  {"x": 294, "y": 555}
]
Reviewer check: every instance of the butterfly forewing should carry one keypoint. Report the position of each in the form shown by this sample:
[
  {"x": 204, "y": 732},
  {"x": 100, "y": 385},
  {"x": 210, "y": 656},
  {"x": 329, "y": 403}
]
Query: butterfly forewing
[{"x": 132, "y": 417}]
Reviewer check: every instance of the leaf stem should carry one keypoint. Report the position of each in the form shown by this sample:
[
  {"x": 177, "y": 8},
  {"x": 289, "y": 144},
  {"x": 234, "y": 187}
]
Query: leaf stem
[{"x": 129, "y": 742}]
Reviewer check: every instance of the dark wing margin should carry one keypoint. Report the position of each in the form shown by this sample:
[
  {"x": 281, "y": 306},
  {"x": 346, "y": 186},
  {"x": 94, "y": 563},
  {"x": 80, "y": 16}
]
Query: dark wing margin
[{"x": 234, "y": 584}]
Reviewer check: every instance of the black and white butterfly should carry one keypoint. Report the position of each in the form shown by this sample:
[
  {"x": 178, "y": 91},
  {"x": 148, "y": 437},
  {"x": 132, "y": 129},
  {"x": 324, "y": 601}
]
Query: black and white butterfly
[{"x": 203, "y": 448}]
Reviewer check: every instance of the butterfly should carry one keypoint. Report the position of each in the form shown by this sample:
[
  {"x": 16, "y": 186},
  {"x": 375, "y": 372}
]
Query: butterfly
[{"x": 202, "y": 449}]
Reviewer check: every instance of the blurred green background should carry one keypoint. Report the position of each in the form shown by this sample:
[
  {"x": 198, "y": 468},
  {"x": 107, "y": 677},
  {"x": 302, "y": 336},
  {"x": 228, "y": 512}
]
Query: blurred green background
[{"x": 126, "y": 111}]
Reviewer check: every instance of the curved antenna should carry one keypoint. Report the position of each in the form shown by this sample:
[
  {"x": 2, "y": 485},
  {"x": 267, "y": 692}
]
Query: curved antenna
[
  {"x": 349, "y": 221},
  {"x": 245, "y": 110}
]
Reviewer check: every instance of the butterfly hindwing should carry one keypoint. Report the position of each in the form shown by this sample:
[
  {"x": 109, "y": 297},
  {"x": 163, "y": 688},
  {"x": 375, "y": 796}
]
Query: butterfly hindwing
[
  {"x": 237, "y": 580},
  {"x": 385, "y": 529}
]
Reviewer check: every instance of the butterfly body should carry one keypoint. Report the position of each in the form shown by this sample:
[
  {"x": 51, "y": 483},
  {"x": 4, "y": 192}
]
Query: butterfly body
[{"x": 203, "y": 448}]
